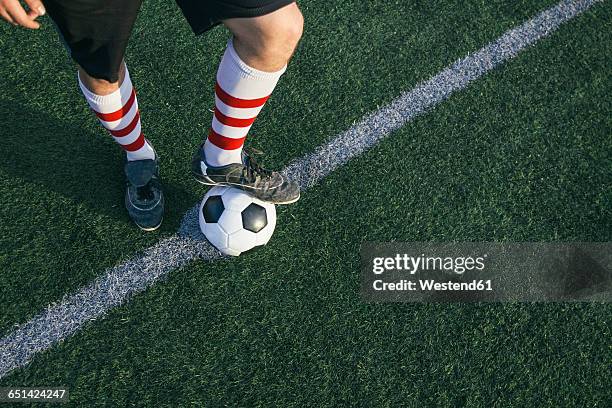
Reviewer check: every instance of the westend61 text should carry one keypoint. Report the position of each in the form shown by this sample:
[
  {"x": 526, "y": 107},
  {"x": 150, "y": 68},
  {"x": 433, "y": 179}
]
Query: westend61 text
[{"x": 432, "y": 285}]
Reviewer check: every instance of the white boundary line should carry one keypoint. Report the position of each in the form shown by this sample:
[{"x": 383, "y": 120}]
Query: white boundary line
[{"x": 61, "y": 320}]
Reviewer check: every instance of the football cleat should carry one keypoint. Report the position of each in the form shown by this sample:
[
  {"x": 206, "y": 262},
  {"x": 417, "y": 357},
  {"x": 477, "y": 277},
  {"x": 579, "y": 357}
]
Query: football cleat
[
  {"x": 249, "y": 176},
  {"x": 144, "y": 198}
]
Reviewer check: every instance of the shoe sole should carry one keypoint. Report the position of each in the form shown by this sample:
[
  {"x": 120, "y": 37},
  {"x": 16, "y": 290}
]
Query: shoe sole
[
  {"x": 149, "y": 229},
  {"x": 206, "y": 182}
]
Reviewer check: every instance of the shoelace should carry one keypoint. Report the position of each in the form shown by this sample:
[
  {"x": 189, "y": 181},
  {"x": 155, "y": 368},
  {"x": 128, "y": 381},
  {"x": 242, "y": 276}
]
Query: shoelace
[
  {"x": 252, "y": 171},
  {"x": 145, "y": 192}
]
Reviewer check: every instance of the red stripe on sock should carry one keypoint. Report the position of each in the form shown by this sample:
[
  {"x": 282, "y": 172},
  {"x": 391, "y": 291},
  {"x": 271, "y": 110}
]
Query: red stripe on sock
[
  {"x": 237, "y": 102},
  {"x": 118, "y": 114},
  {"x": 135, "y": 145},
  {"x": 225, "y": 143},
  {"x": 235, "y": 122},
  {"x": 128, "y": 129}
]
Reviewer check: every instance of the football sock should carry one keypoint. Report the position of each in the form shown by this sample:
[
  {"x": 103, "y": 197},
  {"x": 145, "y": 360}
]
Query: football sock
[
  {"x": 240, "y": 93},
  {"x": 118, "y": 113}
]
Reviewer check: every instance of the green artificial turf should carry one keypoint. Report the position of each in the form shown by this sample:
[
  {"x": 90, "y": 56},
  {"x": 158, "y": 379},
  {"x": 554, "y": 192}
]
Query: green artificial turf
[
  {"x": 521, "y": 155},
  {"x": 62, "y": 220}
]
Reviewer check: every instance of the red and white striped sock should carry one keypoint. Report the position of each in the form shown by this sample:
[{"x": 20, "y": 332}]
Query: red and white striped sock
[
  {"x": 118, "y": 112},
  {"x": 240, "y": 93}
]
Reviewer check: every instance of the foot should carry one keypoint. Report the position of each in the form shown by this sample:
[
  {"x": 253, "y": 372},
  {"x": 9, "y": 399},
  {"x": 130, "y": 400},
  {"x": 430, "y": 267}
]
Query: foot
[
  {"x": 249, "y": 176},
  {"x": 144, "y": 198}
]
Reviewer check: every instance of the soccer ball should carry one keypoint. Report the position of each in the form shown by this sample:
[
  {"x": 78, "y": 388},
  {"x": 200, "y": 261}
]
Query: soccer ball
[{"x": 234, "y": 222}]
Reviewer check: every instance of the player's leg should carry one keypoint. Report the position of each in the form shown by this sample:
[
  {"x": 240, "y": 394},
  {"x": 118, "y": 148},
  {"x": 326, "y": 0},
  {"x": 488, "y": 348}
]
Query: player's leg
[
  {"x": 116, "y": 106},
  {"x": 253, "y": 62},
  {"x": 96, "y": 33}
]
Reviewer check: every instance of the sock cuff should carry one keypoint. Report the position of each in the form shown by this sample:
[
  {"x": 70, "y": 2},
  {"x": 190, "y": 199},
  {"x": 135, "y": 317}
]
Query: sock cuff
[
  {"x": 245, "y": 71},
  {"x": 122, "y": 94}
]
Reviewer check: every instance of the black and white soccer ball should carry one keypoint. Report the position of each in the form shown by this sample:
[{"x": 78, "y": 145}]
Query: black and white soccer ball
[{"x": 234, "y": 222}]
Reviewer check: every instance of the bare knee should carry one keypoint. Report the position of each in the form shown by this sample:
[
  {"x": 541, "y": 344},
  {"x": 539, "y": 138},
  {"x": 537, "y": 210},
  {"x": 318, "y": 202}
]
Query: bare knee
[
  {"x": 283, "y": 36},
  {"x": 268, "y": 42},
  {"x": 101, "y": 86}
]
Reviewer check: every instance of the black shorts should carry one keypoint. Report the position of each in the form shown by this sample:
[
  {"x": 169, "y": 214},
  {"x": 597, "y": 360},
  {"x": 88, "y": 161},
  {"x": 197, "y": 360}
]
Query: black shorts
[{"x": 96, "y": 32}]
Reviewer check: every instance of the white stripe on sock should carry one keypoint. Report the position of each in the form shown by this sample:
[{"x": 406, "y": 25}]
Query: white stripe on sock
[{"x": 229, "y": 131}]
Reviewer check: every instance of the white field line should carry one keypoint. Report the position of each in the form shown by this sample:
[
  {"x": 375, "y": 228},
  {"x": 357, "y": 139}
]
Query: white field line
[{"x": 62, "y": 319}]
